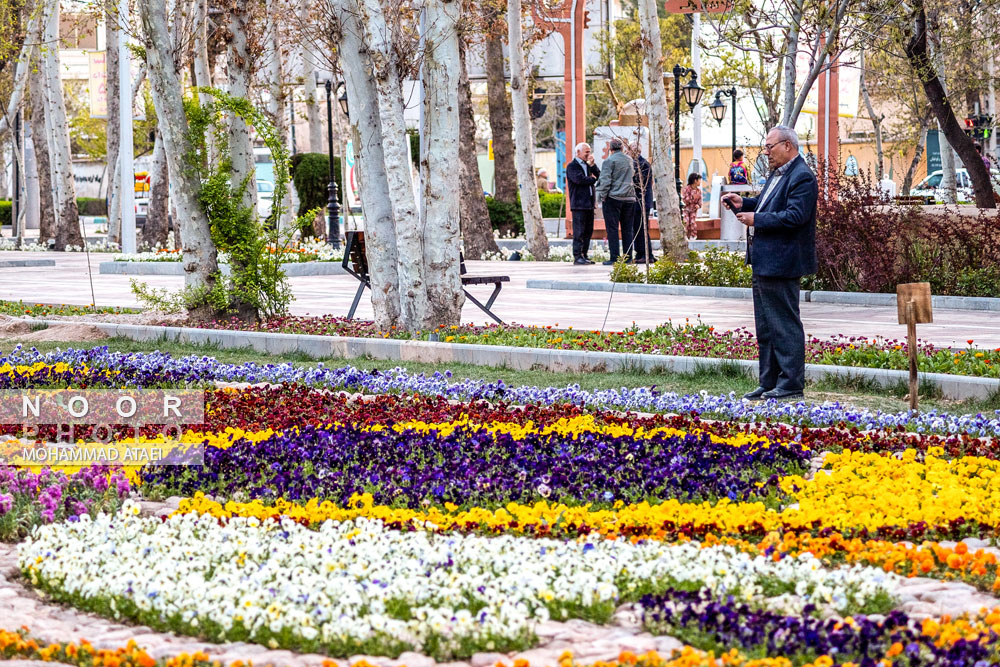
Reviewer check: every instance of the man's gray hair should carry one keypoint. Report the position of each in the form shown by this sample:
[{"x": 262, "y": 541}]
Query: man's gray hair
[
  {"x": 616, "y": 144},
  {"x": 787, "y": 134},
  {"x": 579, "y": 146}
]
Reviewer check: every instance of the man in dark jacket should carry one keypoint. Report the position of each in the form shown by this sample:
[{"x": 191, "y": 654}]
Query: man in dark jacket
[
  {"x": 581, "y": 175},
  {"x": 642, "y": 181},
  {"x": 781, "y": 248}
]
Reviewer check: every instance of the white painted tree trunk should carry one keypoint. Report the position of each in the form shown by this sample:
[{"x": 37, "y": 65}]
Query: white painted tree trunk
[
  {"x": 21, "y": 71},
  {"x": 413, "y": 301},
  {"x": 113, "y": 140},
  {"x": 277, "y": 107},
  {"x": 63, "y": 187},
  {"x": 309, "y": 68},
  {"x": 672, "y": 236},
  {"x": 442, "y": 187},
  {"x": 524, "y": 142},
  {"x": 240, "y": 146},
  {"x": 39, "y": 139},
  {"x": 366, "y": 131},
  {"x": 202, "y": 75},
  {"x": 200, "y": 259}
]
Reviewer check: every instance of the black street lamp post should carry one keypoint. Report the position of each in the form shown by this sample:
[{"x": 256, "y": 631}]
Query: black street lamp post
[
  {"x": 332, "y": 206},
  {"x": 718, "y": 108},
  {"x": 692, "y": 94}
]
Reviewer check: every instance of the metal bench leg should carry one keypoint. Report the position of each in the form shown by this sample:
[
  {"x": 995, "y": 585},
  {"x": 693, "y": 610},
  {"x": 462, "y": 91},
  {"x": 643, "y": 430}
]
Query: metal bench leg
[
  {"x": 357, "y": 299},
  {"x": 493, "y": 297},
  {"x": 486, "y": 308}
]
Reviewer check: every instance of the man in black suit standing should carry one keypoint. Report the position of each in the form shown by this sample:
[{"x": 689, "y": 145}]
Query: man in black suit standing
[
  {"x": 642, "y": 180},
  {"x": 581, "y": 174},
  {"x": 781, "y": 248}
]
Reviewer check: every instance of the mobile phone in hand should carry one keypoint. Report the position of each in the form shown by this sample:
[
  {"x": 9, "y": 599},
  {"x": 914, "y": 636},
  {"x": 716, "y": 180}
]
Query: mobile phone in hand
[{"x": 729, "y": 205}]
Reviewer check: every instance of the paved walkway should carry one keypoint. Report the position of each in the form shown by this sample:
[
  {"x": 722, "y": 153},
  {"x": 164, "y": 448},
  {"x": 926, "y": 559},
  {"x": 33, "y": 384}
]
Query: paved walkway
[{"x": 67, "y": 283}]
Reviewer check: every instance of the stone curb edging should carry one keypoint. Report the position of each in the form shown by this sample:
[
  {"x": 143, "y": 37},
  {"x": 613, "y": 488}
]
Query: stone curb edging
[
  {"x": 807, "y": 296},
  {"x": 956, "y": 387},
  {"x": 25, "y": 263},
  {"x": 291, "y": 269}
]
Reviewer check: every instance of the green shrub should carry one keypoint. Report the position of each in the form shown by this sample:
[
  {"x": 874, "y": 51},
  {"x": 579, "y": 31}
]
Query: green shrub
[
  {"x": 716, "y": 268},
  {"x": 6, "y": 211},
  {"x": 92, "y": 206},
  {"x": 311, "y": 176},
  {"x": 552, "y": 204},
  {"x": 505, "y": 218}
]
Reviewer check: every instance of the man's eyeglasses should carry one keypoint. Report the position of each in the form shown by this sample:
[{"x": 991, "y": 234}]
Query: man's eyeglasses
[{"x": 768, "y": 147}]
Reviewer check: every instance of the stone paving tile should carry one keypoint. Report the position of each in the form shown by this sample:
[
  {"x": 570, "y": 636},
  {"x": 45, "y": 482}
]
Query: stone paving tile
[{"x": 318, "y": 295}]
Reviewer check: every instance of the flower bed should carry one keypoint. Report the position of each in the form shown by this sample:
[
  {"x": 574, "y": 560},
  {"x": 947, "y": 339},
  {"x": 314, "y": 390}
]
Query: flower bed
[
  {"x": 360, "y": 588},
  {"x": 688, "y": 340},
  {"x": 98, "y": 367},
  {"x": 455, "y": 518}
]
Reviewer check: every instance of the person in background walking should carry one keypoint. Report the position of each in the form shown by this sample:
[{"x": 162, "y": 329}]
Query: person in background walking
[
  {"x": 691, "y": 197},
  {"x": 780, "y": 250},
  {"x": 581, "y": 175},
  {"x": 542, "y": 181},
  {"x": 642, "y": 181},
  {"x": 616, "y": 195},
  {"x": 738, "y": 172}
]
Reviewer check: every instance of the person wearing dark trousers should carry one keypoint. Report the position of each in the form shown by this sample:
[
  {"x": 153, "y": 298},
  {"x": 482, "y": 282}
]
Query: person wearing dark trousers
[
  {"x": 616, "y": 196},
  {"x": 581, "y": 175},
  {"x": 642, "y": 183},
  {"x": 781, "y": 248}
]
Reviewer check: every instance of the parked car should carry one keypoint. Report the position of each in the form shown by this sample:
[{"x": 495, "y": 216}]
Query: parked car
[
  {"x": 265, "y": 198},
  {"x": 931, "y": 186}
]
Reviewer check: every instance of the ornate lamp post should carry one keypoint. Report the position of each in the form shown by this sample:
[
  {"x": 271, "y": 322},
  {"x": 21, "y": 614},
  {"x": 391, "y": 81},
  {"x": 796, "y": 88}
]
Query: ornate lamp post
[
  {"x": 718, "y": 108},
  {"x": 692, "y": 94},
  {"x": 332, "y": 206}
]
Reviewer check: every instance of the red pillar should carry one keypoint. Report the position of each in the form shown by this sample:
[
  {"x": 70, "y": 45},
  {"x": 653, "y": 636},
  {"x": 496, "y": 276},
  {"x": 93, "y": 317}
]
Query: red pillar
[
  {"x": 568, "y": 19},
  {"x": 828, "y": 119}
]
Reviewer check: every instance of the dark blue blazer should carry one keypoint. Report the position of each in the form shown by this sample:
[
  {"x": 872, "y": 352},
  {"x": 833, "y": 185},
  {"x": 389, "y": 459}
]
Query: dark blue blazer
[
  {"x": 581, "y": 185},
  {"x": 784, "y": 238},
  {"x": 642, "y": 180}
]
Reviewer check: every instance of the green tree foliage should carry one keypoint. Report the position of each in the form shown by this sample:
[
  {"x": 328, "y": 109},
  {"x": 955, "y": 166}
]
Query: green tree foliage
[{"x": 311, "y": 177}]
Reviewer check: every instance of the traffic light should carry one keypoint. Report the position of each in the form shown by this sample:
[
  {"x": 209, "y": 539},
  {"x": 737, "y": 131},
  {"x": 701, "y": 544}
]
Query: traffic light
[{"x": 979, "y": 126}]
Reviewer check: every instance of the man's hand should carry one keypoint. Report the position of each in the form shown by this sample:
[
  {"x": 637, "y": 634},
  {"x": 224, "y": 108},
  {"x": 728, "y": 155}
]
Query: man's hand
[
  {"x": 590, "y": 160},
  {"x": 734, "y": 199},
  {"x": 745, "y": 218}
]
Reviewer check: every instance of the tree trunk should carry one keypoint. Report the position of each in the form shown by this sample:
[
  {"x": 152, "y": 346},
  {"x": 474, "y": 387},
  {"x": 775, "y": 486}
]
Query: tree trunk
[
  {"x": 276, "y": 104},
  {"x": 154, "y": 232},
  {"x": 39, "y": 134},
  {"x": 672, "y": 236},
  {"x": 915, "y": 162},
  {"x": 200, "y": 261},
  {"x": 501, "y": 125},
  {"x": 21, "y": 70},
  {"x": 376, "y": 204},
  {"x": 791, "y": 51},
  {"x": 202, "y": 73},
  {"x": 876, "y": 121},
  {"x": 409, "y": 233},
  {"x": 917, "y": 54},
  {"x": 477, "y": 232},
  {"x": 113, "y": 135},
  {"x": 441, "y": 202},
  {"x": 524, "y": 144},
  {"x": 313, "y": 112},
  {"x": 240, "y": 146},
  {"x": 63, "y": 187}
]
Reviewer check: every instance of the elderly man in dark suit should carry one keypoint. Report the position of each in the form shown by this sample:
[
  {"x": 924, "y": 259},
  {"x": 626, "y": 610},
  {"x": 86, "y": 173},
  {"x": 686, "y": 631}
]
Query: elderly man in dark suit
[
  {"x": 781, "y": 248},
  {"x": 581, "y": 175}
]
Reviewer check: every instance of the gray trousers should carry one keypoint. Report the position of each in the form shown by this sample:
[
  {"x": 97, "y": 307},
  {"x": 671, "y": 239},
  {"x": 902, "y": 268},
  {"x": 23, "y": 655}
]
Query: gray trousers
[{"x": 780, "y": 336}]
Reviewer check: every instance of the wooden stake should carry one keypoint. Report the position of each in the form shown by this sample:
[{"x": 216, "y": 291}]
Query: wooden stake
[{"x": 911, "y": 344}]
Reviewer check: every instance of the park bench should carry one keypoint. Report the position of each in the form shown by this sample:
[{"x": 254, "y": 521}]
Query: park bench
[
  {"x": 356, "y": 263},
  {"x": 913, "y": 200}
]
